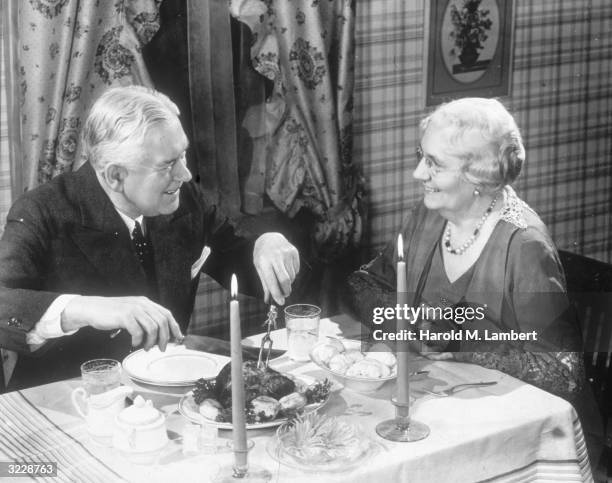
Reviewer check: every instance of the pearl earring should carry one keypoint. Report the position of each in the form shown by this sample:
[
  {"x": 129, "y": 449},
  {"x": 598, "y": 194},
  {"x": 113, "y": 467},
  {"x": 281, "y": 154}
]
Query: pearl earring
[{"x": 476, "y": 193}]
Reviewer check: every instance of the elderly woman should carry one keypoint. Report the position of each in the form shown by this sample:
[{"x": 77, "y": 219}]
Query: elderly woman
[{"x": 472, "y": 242}]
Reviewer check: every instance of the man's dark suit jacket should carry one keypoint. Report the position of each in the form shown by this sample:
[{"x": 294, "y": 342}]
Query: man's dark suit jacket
[{"x": 65, "y": 237}]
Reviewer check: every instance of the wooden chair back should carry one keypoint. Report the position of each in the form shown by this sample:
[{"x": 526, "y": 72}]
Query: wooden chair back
[{"x": 589, "y": 286}]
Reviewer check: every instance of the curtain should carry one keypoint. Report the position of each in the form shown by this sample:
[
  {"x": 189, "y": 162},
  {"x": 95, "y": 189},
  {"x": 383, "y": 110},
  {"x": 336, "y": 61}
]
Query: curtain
[
  {"x": 302, "y": 132},
  {"x": 70, "y": 52},
  {"x": 9, "y": 115},
  {"x": 191, "y": 59},
  {"x": 213, "y": 112}
]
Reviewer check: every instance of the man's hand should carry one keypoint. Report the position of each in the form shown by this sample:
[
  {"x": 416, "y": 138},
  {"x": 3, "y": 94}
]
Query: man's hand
[
  {"x": 145, "y": 320},
  {"x": 277, "y": 262}
]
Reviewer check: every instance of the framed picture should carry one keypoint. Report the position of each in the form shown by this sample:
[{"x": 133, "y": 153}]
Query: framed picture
[{"x": 468, "y": 48}]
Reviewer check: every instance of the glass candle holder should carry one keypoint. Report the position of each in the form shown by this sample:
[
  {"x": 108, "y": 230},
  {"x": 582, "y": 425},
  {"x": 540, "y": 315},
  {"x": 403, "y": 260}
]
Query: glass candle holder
[
  {"x": 238, "y": 472},
  {"x": 402, "y": 428}
]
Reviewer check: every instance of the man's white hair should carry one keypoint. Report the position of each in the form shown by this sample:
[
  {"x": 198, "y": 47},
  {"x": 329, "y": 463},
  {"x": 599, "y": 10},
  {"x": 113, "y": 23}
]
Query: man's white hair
[{"x": 118, "y": 122}]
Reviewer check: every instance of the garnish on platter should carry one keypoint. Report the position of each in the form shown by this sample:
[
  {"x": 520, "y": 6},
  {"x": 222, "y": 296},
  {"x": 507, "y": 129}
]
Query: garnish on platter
[
  {"x": 270, "y": 397},
  {"x": 318, "y": 442}
]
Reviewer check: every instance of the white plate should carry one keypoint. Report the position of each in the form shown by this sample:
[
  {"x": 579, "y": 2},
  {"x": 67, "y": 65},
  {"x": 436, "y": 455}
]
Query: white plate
[
  {"x": 188, "y": 408},
  {"x": 177, "y": 366},
  {"x": 327, "y": 328},
  {"x": 279, "y": 340}
]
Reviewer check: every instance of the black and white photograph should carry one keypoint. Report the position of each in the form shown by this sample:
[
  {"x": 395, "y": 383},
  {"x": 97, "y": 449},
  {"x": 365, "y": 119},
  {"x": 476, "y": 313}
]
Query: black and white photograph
[{"x": 294, "y": 240}]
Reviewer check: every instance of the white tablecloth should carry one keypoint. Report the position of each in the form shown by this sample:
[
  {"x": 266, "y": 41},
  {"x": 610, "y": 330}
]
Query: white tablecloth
[{"x": 508, "y": 432}]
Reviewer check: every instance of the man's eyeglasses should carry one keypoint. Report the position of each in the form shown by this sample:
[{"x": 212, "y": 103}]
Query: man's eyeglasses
[{"x": 166, "y": 167}]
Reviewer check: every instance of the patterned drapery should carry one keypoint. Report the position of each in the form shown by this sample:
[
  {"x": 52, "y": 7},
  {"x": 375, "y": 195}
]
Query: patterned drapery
[
  {"x": 71, "y": 51},
  {"x": 305, "y": 47}
]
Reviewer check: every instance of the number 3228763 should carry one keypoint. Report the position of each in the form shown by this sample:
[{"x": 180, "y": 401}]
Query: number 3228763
[{"x": 28, "y": 469}]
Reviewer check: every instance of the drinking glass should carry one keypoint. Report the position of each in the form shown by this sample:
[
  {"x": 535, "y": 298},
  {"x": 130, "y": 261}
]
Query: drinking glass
[
  {"x": 302, "y": 323},
  {"x": 100, "y": 375},
  {"x": 101, "y": 397}
]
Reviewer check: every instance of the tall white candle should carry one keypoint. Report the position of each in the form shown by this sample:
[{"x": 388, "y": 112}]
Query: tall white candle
[
  {"x": 238, "y": 409},
  {"x": 403, "y": 390}
]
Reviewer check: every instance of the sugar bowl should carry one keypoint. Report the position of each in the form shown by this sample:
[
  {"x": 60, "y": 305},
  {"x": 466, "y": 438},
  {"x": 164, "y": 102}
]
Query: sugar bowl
[{"x": 140, "y": 432}]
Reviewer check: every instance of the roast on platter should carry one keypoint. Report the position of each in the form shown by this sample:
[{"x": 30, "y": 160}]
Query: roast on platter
[{"x": 269, "y": 395}]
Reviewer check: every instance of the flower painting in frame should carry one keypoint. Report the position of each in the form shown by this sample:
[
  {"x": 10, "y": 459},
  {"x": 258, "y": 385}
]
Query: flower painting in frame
[{"x": 468, "y": 49}]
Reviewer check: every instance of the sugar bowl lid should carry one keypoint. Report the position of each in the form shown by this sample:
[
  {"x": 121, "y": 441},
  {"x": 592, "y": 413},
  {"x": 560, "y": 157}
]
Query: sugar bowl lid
[{"x": 140, "y": 413}]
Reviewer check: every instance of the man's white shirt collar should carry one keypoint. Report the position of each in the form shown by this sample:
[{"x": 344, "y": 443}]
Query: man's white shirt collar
[{"x": 131, "y": 222}]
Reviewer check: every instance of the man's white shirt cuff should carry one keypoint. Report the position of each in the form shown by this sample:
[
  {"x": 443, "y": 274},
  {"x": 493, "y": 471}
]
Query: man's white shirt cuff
[{"x": 50, "y": 324}]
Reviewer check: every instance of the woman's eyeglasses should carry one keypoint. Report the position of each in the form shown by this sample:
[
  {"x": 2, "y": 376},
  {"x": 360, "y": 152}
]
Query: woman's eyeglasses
[
  {"x": 430, "y": 163},
  {"x": 433, "y": 166}
]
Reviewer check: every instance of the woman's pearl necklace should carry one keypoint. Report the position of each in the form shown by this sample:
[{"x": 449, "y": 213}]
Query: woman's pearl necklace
[{"x": 470, "y": 241}]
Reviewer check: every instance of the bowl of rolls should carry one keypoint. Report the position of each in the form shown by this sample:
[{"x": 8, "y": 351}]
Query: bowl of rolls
[{"x": 356, "y": 369}]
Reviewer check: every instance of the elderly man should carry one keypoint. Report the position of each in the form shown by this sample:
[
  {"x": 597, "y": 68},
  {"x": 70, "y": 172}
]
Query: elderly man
[{"x": 119, "y": 244}]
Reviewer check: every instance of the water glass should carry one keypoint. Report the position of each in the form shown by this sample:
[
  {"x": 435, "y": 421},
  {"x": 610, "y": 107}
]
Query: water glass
[
  {"x": 100, "y": 375},
  {"x": 100, "y": 398},
  {"x": 302, "y": 323}
]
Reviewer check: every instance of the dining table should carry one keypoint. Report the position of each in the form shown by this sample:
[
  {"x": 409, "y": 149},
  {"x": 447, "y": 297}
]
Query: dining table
[{"x": 507, "y": 432}]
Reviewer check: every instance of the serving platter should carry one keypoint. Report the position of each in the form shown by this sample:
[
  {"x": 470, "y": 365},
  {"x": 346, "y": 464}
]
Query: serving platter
[
  {"x": 188, "y": 408},
  {"x": 177, "y": 366}
]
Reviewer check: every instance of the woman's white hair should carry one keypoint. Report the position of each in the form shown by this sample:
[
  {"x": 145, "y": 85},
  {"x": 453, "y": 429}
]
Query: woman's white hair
[
  {"x": 118, "y": 122},
  {"x": 499, "y": 154}
]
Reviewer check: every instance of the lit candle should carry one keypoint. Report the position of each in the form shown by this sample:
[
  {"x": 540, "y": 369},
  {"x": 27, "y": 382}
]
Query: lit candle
[
  {"x": 403, "y": 390},
  {"x": 238, "y": 409}
]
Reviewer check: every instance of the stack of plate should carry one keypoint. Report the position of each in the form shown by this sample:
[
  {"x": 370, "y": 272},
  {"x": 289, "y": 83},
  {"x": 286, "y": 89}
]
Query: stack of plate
[{"x": 177, "y": 366}]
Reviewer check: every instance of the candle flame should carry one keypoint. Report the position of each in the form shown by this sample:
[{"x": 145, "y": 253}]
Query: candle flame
[
  {"x": 234, "y": 287},
  {"x": 400, "y": 247}
]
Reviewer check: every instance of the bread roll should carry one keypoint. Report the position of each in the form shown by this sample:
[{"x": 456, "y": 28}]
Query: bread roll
[
  {"x": 326, "y": 352},
  {"x": 354, "y": 355},
  {"x": 387, "y": 358},
  {"x": 339, "y": 363},
  {"x": 369, "y": 368}
]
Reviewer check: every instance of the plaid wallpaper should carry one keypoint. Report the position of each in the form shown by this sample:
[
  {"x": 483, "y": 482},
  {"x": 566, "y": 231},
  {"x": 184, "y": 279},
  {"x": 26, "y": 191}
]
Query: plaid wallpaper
[
  {"x": 211, "y": 313},
  {"x": 560, "y": 95}
]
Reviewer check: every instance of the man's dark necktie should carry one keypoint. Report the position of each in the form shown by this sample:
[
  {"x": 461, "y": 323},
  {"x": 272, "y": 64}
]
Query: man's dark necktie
[{"x": 144, "y": 252}]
